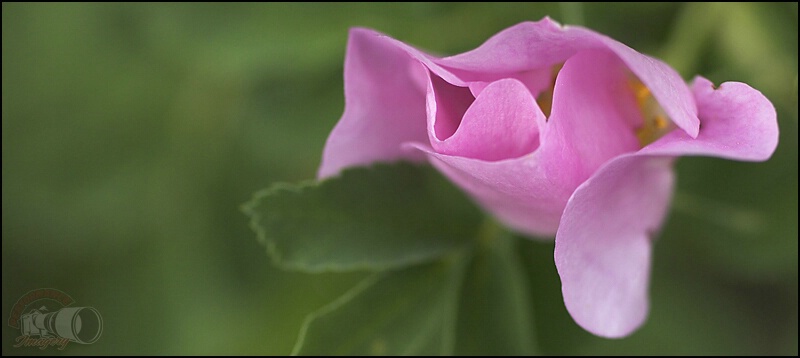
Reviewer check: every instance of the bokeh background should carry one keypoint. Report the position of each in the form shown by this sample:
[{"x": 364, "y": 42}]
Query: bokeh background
[{"x": 132, "y": 133}]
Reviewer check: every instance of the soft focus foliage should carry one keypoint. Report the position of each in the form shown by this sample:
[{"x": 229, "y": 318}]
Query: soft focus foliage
[{"x": 133, "y": 133}]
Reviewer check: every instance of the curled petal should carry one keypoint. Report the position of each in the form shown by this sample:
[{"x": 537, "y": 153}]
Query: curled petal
[
  {"x": 603, "y": 244},
  {"x": 738, "y": 122},
  {"x": 499, "y": 124},
  {"x": 586, "y": 129},
  {"x": 589, "y": 123},
  {"x": 522, "y": 47},
  {"x": 536, "y": 45},
  {"x": 446, "y": 105},
  {"x": 385, "y": 91},
  {"x": 384, "y": 105},
  {"x": 664, "y": 83}
]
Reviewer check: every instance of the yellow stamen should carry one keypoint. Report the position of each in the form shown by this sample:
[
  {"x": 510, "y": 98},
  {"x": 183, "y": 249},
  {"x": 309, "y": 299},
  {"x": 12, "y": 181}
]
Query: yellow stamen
[
  {"x": 655, "y": 122},
  {"x": 642, "y": 95},
  {"x": 661, "y": 122}
]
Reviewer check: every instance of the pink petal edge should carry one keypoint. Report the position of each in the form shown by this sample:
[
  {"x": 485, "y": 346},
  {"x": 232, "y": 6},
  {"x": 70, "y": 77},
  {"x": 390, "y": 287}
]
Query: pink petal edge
[
  {"x": 605, "y": 276},
  {"x": 384, "y": 106},
  {"x": 603, "y": 244},
  {"x": 738, "y": 123},
  {"x": 383, "y": 97},
  {"x": 501, "y": 123},
  {"x": 532, "y": 45}
]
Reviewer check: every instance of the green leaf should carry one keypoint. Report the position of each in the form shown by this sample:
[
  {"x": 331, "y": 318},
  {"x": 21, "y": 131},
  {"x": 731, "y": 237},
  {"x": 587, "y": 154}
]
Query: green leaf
[
  {"x": 375, "y": 218},
  {"x": 494, "y": 316},
  {"x": 403, "y": 312}
]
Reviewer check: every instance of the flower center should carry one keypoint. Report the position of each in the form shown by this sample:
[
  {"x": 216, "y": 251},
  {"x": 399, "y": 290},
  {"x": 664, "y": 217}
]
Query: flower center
[{"x": 655, "y": 122}]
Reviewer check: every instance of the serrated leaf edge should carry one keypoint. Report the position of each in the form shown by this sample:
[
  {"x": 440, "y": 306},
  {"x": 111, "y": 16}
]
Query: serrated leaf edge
[{"x": 249, "y": 208}]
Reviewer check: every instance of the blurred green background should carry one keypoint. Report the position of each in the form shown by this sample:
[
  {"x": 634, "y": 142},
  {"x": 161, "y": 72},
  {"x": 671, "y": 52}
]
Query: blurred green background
[{"x": 133, "y": 132}]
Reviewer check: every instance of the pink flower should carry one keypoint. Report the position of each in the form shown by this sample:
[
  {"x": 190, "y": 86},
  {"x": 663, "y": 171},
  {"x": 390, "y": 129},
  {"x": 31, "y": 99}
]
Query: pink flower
[{"x": 553, "y": 130}]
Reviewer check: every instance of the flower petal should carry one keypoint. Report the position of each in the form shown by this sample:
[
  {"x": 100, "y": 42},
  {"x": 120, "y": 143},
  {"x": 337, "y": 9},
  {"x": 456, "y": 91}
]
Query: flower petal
[
  {"x": 589, "y": 123},
  {"x": 516, "y": 191},
  {"x": 664, "y": 83},
  {"x": 446, "y": 105},
  {"x": 535, "y": 45},
  {"x": 738, "y": 122},
  {"x": 603, "y": 244},
  {"x": 384, "y": 105},
  {"x": 586, "y": 129},
  {"x": 500, "y": 124},
  {"x": 384, "y": 84},
  {"x": 519, "y": 48}
]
